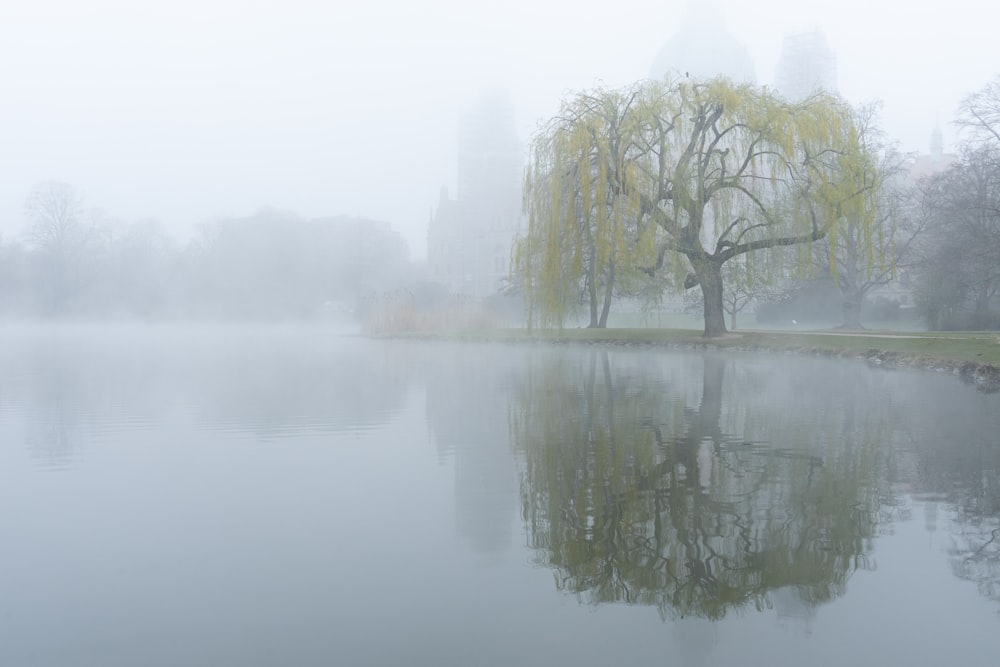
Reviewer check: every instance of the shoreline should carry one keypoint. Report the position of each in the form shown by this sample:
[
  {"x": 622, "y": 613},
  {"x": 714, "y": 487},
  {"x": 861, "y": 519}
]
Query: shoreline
[{"x": 973, "y": 357}]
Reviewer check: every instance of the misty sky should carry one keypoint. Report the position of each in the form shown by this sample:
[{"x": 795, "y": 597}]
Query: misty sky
[{"x": 186, "y": 111}]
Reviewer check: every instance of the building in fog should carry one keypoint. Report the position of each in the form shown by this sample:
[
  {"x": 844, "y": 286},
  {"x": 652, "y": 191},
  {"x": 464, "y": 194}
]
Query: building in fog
[
  {"x": 702, "y": 49},
  {"x": 806, "y": 65},
  {"x": 922, "y": 165},
  {"x": 469, "y": 238}
]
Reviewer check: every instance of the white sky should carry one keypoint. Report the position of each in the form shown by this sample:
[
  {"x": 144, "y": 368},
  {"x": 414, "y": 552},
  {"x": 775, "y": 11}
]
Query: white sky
[{"x": 188, "y": 110}]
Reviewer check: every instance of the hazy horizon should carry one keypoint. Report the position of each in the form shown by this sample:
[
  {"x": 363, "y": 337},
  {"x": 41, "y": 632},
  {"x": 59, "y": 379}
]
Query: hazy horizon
[{"x": 190, "y": 112}]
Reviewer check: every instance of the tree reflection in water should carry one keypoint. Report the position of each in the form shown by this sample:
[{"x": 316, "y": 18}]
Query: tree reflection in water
[
  {"x": 958, "y": 454},
  {"x": 976, "y": 554},
  {"x": 634, "y": 495},
  {"x": 951, "y": 437}
]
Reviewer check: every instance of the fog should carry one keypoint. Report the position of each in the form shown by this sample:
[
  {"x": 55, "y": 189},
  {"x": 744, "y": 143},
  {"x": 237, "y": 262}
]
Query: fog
[
  {"x": 227, "y": 486},
  {"x": 187, "y": 112}
]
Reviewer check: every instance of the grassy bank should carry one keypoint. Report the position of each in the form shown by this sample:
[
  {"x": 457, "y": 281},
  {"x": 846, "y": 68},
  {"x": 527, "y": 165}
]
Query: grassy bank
[{"x": 973, "y": 355}]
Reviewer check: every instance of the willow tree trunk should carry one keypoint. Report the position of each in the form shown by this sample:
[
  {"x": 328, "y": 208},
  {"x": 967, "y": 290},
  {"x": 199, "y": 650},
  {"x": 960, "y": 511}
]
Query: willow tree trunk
[
  {"x": 608, "y": 292},
  {"x": 852, "y": 311},
  {"x": 709, "y": 274},
  {"x": 592, "y": 294}
]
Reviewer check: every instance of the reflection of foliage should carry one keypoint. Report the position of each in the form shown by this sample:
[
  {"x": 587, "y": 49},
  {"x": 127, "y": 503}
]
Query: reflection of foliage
[
  {"x": 958, "y": 465},
  {"x": 636, "y": 497},
  {"x": 977, "y": 555},
  {"x": 976, "y": 550}
]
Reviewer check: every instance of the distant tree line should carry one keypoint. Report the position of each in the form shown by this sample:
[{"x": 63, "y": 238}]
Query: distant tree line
[{"x": 75, "y": 262}]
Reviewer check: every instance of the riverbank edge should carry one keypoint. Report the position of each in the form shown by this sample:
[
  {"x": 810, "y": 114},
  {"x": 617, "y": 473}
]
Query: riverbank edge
[{"x": 985, "y": 377}]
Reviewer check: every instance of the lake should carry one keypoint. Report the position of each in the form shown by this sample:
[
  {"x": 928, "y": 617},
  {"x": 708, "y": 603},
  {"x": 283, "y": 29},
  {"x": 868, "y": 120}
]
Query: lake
[{"x": 295, "y": 496}]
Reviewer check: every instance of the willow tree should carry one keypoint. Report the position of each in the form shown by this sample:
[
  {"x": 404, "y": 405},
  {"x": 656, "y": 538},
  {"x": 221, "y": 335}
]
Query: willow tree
[
  {"x": 582, "y": 198},
  {"x": 710, "y": 170}
]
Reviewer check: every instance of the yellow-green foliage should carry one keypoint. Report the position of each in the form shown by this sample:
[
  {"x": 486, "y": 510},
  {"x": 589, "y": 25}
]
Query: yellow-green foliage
[
  {"x": 583, "y": 202},
  {"x": 707, "y": 170}
]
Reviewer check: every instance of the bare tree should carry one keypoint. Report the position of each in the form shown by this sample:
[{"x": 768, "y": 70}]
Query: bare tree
[
  {"x": 59, "y": 230},
  {"x": 55, "y": 214},
  {"x": 962, "y": 253},
  {"x": 961, "y": 256},
  {"x": 979, "y": 114}
]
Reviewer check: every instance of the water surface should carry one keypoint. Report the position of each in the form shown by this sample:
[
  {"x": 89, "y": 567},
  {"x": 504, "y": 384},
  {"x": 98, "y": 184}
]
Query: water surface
[{"x": 303, "y": 497}]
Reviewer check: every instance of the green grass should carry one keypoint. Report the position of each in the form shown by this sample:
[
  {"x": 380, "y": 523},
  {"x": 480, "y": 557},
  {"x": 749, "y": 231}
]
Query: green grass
[
  {"x": 952, "y": 347},
  {"x": 977, "y": 348}
]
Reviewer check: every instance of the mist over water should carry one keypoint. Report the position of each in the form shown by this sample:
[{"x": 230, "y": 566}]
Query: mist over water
[
  {"x": 212, "y": 212},
  {"x": 283, "y": 495}
]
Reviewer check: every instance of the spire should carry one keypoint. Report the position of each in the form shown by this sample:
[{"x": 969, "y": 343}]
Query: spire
[{"x": 937, "y": 147}]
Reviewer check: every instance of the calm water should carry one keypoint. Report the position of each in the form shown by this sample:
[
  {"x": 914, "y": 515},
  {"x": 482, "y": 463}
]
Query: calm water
[{"x": 298, "y": 497}]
